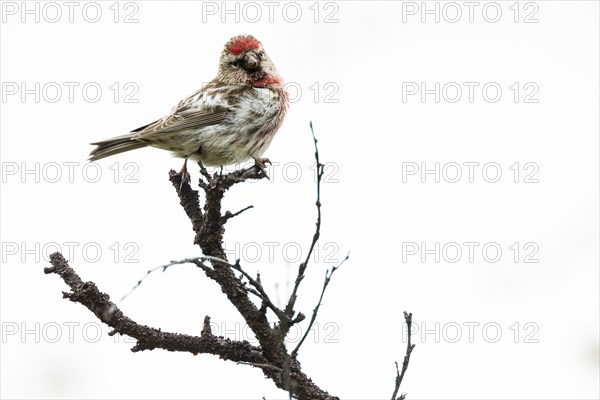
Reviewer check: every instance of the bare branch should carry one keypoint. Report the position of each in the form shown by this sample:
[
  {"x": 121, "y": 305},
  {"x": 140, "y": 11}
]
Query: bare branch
[
  {"x": 262, "y": 294},
  {"x": 148, "y": 338},
  {"x": 206, "y": 329},
  {"x": 87, "y": 294},
  {"x": 289, "y": 309},
  {"x": 316, "y": 309},
  {"x": 228, "y": 215},
  {"x": 209, "y": 238},
  {"x": 260, "y": 291},
  {"x": 215, "y": 188},
  {"x": 204, "y": 172},
  {"x": 409, "y": 349},
  {"x": 320, "y": 170},
  {"x": 150, "y": 271},
  {"x": 189, "y": 201}
]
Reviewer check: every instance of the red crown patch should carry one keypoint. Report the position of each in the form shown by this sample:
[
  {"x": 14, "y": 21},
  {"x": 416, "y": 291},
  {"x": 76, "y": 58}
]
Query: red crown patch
[{"x": 240, "y": 44}]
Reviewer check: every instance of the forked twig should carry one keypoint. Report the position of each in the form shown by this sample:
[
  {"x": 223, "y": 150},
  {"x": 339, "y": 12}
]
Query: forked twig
[{"x": 316, "y": 309}]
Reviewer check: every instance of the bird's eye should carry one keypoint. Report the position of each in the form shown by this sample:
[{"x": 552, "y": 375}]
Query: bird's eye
[
  {"x": 261, "y": 54},
  {"x": 234, "y": 63}
]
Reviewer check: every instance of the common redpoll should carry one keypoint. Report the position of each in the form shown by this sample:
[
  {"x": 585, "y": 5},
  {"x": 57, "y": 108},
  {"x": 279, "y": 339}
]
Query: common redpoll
[{"x": 231, "y": 119}]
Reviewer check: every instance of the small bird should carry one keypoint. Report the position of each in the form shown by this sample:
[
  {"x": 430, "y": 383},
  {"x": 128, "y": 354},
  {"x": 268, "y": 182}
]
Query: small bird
[{"x": 230, "y": 120}]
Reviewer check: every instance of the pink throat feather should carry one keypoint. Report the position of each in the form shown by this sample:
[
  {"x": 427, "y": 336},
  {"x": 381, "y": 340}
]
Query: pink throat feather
[{"x": 267, "y": 80}]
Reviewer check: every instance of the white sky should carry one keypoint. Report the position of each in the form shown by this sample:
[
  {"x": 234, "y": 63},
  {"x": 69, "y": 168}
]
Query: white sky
[{"x": 359, "y": 77}]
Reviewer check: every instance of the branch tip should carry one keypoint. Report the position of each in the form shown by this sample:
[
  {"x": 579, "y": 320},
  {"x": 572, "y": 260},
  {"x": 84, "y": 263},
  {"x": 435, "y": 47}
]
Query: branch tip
[{"x": 409, "y": 349}]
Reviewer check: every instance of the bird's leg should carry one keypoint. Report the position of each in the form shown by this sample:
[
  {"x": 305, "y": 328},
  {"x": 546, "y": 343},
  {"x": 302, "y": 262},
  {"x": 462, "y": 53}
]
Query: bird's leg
[
  {"x": 185, "y": 175},
  {"x": 260, "y": 163},
  {"x": 204, "y": 172}
]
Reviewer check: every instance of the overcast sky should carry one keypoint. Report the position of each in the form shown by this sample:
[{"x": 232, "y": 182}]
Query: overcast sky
[{"x": 461, "y": 149}]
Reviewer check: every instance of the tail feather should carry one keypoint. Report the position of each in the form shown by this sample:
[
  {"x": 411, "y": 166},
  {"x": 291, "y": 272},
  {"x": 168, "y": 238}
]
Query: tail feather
[{"x": 116, "y": 145}]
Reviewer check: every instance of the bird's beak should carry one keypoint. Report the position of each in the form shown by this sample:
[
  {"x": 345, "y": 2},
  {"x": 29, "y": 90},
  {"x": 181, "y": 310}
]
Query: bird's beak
[{"x": 250, "y": 61}]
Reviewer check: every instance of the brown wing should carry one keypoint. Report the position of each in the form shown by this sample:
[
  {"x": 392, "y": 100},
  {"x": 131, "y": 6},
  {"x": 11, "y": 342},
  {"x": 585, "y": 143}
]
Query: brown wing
[{"x": 188, "y": 119}]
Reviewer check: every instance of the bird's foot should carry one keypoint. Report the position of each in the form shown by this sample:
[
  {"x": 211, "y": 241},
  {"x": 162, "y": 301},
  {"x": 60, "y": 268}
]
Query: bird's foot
[
  {"x": 185, "y": 175},
  {"x": 261, "y": 164}
]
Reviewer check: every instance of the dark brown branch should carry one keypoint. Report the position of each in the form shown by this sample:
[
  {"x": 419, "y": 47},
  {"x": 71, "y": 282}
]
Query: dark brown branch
[
  {"x": 228, "y": 215},
  {"x": 190, "y": 203},
  {"x": 148, "y": 338},
  {"x": 409, "y": 349},
  {"x": 204, "y": 172},
  {"x": 261, "y": 291},
  {"x": 210, "y": 240},
  {"x": 87, "y": 294}
]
